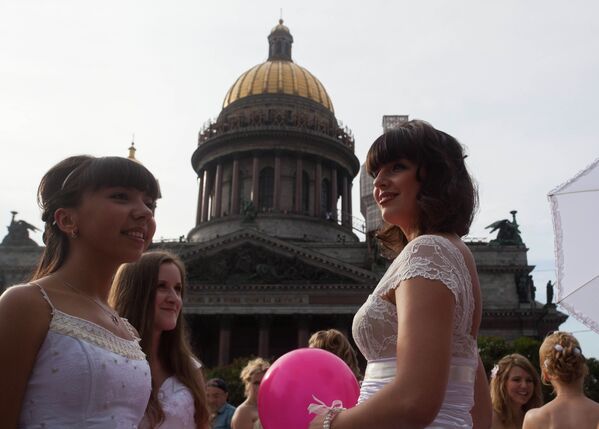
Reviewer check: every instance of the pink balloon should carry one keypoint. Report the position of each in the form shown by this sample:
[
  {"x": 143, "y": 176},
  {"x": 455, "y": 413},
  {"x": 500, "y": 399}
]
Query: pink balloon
[{"x": 287, "y": 387}]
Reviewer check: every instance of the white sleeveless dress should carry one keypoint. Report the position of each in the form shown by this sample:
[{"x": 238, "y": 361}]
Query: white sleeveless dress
[
  {"x": 178, "y": 406},
  {"x": 375, "y": 326},
  {"x": 85, "y": 377}
]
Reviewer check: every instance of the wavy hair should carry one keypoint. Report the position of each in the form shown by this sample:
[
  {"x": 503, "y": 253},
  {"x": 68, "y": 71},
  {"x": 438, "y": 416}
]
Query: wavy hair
[
  {"x": 560, "y": 356},
  {"x": 335, "y": 342},
  {"x": 448, "y": 198},
  {"x": 133, "y": 295},
  {"x": 254, "y": 366},
  {"x": 64, "y": 185},
  {"x": 499, "y": 394}
]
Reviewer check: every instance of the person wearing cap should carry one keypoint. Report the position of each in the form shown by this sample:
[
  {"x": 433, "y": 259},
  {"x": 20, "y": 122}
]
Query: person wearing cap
[{"x": 221, "y": 412}]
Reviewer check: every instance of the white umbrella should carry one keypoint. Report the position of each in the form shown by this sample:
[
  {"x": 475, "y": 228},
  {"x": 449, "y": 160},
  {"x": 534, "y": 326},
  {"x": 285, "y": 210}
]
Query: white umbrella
[{"x": 575, "y": 210}]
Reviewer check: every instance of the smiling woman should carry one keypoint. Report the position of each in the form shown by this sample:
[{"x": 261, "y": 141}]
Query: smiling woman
[
  {"x": 515, "y": 389},
  {"x": 57, "y": 333},
  {"x": 149, "y": 293}
]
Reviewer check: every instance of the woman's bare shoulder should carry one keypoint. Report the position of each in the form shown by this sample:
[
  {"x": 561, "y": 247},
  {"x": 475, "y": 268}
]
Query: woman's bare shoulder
[{"x": 537, "y": 418}]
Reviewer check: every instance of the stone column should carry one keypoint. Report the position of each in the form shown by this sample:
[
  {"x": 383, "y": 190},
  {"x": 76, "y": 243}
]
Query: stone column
[
  {"x": 303, "y": 331},
  {"x": 200, "y": 190},
  {"x": 299, "y": 169},
  {"x": 350, "y": 218},
  {"x": 317, "y": 188},
  {"x": 218, "y": 191},
  {"x": 205, "y": 195},
  {"x": 277, "y": 185},
  {"x": 235, "y": 188},
  {"x": 264, "y": 337},
  {"x": 224, "y": 341},
  {"x": 344, "y": 201},
  {"x": 334, "y": 191},
  {"x": 255, "y": 180}
]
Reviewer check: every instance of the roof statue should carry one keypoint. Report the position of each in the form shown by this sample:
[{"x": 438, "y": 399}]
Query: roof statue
[
  {"x": 509, "y": 233},
  {"x": 18, "y": 233}
]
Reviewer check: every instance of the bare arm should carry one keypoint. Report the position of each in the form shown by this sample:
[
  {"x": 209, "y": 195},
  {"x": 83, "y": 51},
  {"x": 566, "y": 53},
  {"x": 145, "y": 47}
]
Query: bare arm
[
  {"x": 24, "y": 317},
  {"x": 482, "y": 411},
  {"x": 425, "y": 311},
  {"x": 533, "y": 419}
]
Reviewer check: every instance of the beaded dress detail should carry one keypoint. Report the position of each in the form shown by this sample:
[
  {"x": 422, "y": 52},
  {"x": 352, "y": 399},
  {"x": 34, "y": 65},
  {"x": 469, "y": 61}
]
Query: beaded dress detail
[
  {"x": 375, "y": 324},
  {"x": 85, "y": 377}
]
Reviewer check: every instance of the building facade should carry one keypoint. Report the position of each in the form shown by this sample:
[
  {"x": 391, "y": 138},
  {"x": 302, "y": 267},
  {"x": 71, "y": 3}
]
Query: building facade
[{"x": 273, "y": 255}]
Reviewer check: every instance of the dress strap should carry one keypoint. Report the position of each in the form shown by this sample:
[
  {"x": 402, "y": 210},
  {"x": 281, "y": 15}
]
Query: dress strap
[{"x": 46, "y": 297}]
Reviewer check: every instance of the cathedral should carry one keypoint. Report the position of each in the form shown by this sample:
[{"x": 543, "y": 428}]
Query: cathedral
[{"x": 274, "y": 254}]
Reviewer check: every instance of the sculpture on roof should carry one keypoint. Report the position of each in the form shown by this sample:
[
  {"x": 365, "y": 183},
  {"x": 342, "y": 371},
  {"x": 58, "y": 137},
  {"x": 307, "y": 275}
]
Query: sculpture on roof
[
  {"x": 18, "y": 233},
  {"x": 509, "y": 233}
]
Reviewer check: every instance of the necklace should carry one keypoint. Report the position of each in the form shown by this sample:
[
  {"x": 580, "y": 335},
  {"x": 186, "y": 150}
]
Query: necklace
[{"x": 111, "y": 314}]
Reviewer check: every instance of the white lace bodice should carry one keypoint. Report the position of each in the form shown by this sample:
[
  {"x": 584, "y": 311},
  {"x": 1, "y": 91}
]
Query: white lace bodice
[
  {"x": 432, "y": 257},
  {"x": 85, "y": 377}
]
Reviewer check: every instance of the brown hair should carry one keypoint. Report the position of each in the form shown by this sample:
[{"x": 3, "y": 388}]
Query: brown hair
[
  {"x": 447, "y": 199},
  {"x": 63, "y": 186},
  {"x": 335, "y": 342},
  {"x": 133, "y": 294},
  {"x": 499, "y": 395},
  {"x": 254, "y": 366},
  {"x": 560, "y": 356}
]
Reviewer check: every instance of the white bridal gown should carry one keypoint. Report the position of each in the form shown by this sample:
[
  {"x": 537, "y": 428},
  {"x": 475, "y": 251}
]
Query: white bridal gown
[{"x": 375, "y": 326}]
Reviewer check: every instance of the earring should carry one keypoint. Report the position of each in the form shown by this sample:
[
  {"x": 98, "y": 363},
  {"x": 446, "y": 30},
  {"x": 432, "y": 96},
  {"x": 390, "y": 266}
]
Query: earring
[{"x": 75, "y": 233}]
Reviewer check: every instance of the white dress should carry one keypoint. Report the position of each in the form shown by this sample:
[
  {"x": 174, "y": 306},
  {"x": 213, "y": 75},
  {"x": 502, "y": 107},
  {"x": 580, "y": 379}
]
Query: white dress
[
  {"x": 85, "y": 377},
  {"x": 178, "y": 406},
  {"x": 375, "y": 326}
]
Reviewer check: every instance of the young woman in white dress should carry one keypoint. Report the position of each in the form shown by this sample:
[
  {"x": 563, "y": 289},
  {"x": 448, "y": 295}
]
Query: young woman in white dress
[
  {"x": 564, "y": 367},
  {"x": 149, "y": 293},
  {"x": 418, "y": 328},
  {"x": 66, "y": 359}
]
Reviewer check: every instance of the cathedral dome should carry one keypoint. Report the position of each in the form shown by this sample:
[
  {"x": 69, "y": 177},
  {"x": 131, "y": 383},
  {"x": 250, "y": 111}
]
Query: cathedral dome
[{"x": 279, "y": 75}]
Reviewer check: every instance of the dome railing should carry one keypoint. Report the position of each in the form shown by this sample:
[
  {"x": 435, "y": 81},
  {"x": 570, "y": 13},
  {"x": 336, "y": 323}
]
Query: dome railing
[{"x": 287, "y": 119}]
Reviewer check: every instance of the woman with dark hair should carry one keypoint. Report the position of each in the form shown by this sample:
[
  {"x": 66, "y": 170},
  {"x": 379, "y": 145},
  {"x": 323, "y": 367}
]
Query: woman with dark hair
[
  {"x": 418, "y": 328},
  {"x": 515, "y": 389},
  {"x": 149, "y": 293},
  {"x": 564, "y": 367},
  {"x": 66, "y": 359}
]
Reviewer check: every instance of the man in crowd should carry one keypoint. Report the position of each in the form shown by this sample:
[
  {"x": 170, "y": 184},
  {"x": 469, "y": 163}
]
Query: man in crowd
[{"x": 221, "y": 412}]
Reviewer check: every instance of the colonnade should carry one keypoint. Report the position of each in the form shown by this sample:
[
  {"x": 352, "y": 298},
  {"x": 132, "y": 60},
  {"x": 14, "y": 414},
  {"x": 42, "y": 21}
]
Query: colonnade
[{"x": 210, "y": 193}]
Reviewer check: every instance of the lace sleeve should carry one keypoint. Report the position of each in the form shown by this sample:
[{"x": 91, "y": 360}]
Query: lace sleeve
[{"x": 427, "y": 256}]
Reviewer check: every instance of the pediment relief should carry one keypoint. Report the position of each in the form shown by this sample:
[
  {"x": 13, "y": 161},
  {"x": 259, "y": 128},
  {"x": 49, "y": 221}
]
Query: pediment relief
[{"x": 253, "y": 259}]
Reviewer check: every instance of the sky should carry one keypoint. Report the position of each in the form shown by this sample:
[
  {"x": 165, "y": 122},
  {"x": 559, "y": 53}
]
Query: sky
[{"x": 514, "y": 81}]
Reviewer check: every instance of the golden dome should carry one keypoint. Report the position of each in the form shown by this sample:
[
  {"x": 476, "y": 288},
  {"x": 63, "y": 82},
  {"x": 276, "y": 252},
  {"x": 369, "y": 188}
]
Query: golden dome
[{"x": 278, "y": 77}]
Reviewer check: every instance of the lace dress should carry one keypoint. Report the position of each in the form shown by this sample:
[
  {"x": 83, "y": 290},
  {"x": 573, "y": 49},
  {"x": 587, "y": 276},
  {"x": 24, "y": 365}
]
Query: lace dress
[
  {"x": 375, "y": 325},
  {"x": 85, "y": 377}
]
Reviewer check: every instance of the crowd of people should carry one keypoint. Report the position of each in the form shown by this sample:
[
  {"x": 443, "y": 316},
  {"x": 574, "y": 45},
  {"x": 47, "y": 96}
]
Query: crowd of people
[{"x": 96, "y": 338}]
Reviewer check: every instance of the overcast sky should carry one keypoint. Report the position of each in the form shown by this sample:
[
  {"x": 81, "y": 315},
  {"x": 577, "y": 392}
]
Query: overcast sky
[{"x": 515, "y": 81}]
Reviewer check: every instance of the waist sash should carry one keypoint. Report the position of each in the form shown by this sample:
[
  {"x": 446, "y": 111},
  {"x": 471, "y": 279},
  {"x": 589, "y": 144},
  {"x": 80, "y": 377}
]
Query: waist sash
[{"x": 384, "y": 369}]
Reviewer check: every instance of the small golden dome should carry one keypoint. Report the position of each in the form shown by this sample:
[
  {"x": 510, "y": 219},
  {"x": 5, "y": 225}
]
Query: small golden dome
[{"x": 278, "y": 77}]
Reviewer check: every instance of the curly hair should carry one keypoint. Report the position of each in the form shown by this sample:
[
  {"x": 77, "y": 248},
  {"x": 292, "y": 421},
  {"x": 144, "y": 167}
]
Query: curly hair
[
  {"x": 335, "y": 342},
  {"x": 448, "y": 197},
  {"x": 255, "y": 366},
  {"x": 560, "y": 356},
  {"x": 499, "y": 394}
]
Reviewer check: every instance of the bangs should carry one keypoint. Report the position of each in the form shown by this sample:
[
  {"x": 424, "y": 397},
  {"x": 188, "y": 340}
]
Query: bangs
[
  {"x": 393, "y": 145},
  {"x": 116, "y": 171}
]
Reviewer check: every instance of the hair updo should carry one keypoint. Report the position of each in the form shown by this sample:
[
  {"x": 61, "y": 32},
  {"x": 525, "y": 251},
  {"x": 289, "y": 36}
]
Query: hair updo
[{"x": 560, "y": 356}]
